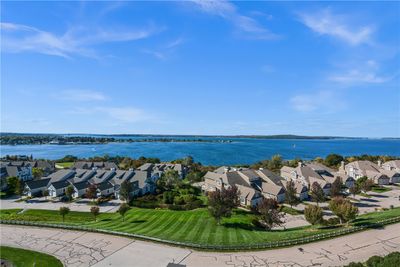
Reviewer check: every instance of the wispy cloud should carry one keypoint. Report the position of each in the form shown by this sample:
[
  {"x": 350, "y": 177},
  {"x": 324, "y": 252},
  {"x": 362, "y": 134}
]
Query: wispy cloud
[
  {"x": 324, "y": 22},
  {"x": 229, "y": 12},
  {"x": 363, "y": 72},
  {"x": 118, "y": 114},
  {"x": 81, "y": 95},
  {"x": 166, "y": 50},
  {"x": 322, "y": 100},
  {"x": 18, "y": 38}
]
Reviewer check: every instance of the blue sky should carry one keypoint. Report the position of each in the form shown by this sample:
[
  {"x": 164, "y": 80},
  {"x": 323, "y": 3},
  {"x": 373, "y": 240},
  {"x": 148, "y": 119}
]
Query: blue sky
[{"x": 197, "y": 67}]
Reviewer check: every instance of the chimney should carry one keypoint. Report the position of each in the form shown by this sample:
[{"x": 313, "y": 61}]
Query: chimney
[
  {"x": 300, "y": 164},
  {"x": 261, "y": 169},
  {"x": 379, "y": 163},
  {"x": 341, "y": 166}
]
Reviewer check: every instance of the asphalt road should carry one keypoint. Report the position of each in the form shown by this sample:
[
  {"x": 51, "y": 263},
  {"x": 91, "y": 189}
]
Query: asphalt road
[{"x": 91, "y": 249}]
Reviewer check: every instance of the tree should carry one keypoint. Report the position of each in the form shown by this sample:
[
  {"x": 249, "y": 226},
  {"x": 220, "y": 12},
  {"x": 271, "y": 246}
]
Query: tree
[
  {"x": 123, "y": 208},
  {"x": 12, "y": 183},
  {"x": 317, "y": 193},
  {"x": 169, "y": 180},
  {"x": 343, "y": 208},
  {"x": 354, "y": 190},
  {"x": 91, "y": 192},
  {"x": 290, "y": 194},
  {"x": 275, "y": 163},
  {"x": 313, "y": 214},
  {"x": 126, "y": 191},
  {"x": 221, "y": 202},
  {"x": 45, "y": 193},
  {"x": 37, "y": 173},
  {"x": 19, "y": 187},
  {"x": 269, "y": 213},
  {"x": 365, "y": 184},
  {"x": 64, "y": 211},
  {"x": 69, "y": 192},
  {"x": 336, "y": 187},
  {"x": 333, "y": 160},
  {"x": 95, "y": 211}
]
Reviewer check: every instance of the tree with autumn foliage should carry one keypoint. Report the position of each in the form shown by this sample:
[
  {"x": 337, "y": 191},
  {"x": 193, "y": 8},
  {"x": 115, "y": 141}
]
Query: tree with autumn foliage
[{"x": 222, "y": 202}]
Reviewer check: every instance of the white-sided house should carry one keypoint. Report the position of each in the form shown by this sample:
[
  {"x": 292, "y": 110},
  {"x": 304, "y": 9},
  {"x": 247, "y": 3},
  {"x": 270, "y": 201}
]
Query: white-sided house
[
  {"x": 105, "y": 189},
  {"x": 273, "y": 191},
  {"x": 248, "y": 196},
  {"x": 57, "y": 189},
  {"x": 392, "y": 170},
  {"x": 80, "y": 188},
  {"x": 305, "y": 175},
  {"x": 360, "y": 168},
  {"x": 330, "y": 175},
  {"x": 36, "y": 187}
]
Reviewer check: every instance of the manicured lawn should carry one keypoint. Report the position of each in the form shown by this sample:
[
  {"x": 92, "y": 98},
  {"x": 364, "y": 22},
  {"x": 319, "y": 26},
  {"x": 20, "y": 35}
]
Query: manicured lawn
[
  {"x": 65, "y": 164},
  {"x": 27, "y": 258},
  {"x": 195, "y": 226},
  {"x": 380, "y": 189},
  {"x": 291, "y": 211}
]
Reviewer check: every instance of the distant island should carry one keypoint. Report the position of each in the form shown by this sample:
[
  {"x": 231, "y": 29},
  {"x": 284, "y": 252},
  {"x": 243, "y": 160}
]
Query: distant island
[{"x": 42, "y": 139}]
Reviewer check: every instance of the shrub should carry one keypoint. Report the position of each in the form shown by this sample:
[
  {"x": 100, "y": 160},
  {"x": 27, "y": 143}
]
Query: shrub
[
  {"x": 313, "y": 214},
  {"x": 179, "y": 200},
  {"x": 374, "y": 261}
]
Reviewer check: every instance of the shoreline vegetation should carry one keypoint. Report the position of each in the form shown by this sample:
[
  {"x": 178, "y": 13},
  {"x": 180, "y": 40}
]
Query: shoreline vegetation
[{"x": 84, "y": 139}]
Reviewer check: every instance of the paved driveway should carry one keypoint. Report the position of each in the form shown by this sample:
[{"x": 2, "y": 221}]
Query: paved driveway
[
  {"x": 92, "y": 249},
  {"x": 40, "y": 203}
]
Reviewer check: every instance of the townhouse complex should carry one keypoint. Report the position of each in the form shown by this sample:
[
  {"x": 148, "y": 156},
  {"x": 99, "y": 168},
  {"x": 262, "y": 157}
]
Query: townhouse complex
[
  {"x": 104, "y": 176},
  {"x": 22, "y": 170},
  {"x": 254, "y": 185}
]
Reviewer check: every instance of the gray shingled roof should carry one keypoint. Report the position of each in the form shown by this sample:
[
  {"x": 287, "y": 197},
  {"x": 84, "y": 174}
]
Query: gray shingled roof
[{"x": 34, "y": 184}]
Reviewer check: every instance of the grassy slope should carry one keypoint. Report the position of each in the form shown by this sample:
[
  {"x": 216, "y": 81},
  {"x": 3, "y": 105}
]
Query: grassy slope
[
  {"x": 65, "y": 164},
  {"x": 22, "y": 257},
  {"x": 194, "y": 226}
]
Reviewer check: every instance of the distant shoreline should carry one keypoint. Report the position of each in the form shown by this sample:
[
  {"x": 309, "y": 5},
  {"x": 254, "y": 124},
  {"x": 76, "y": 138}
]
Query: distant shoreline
[{"x": 155, "y": 137}]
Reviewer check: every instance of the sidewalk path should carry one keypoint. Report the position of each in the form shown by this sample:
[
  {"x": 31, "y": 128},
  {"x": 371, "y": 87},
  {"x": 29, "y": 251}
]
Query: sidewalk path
[{"x": 92, "y": 249}]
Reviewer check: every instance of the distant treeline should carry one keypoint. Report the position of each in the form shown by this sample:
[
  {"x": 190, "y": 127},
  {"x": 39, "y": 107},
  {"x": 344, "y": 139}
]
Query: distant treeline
[{"x": 64, "y": 140}]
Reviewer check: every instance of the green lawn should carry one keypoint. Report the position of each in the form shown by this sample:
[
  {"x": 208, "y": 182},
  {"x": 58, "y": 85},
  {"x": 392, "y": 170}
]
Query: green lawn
[
  {"x": 27, "y": 258},
  {"x": 195, "y": 226},
  {"x": 65, "y": 164},
  {"x": 380, "y": 189}
]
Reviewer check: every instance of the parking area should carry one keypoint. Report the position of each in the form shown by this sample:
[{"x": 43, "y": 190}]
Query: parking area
[{"x": 46, "y": 204}]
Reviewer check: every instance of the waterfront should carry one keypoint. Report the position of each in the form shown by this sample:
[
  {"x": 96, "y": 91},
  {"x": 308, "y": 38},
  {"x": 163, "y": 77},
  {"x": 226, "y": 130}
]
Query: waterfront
[{"x": 239, "y": 151}]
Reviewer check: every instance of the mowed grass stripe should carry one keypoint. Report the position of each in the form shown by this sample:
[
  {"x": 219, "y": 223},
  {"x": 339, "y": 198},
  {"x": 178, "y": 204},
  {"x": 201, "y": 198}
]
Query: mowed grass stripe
[
  {"x": 160, "y": 231},
  {"x": 155, "y": 222},
  {"x": 136, "y": 224},
  {"x": 201, "y": 225},
  {"x": 192, "y": 228},
  {"x": 181, "y": 228},
  {"x": 211, "y": 233}
]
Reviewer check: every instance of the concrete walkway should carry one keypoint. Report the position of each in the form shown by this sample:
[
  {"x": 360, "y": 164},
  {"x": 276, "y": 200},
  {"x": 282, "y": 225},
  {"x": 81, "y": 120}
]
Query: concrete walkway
[{"x": 93, "y": 249}]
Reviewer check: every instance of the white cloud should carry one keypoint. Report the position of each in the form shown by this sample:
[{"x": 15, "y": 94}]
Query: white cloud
[
  {"x": 361, "y": 72},
  {"x": 166, "y": 50},
  {"x": 320, "y": 101},
  {"x": 325, "y": 22},
  {"x": 229, "y": 12},
  {"x": 81, "y": 95},
  {"x": 76, "y": 41},
  {"x": 117, "y": 114}
]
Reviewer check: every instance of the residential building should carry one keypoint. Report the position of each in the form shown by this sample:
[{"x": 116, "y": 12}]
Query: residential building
[
  {"x": 392, "y": 169},
  {"x": 253, "y": 185},
  {"x": 35, "y": 188},
  {"x": 95, "y": 165},
  {"x": 360, "y": 168},
  {"x": 306, "y": 176}
]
